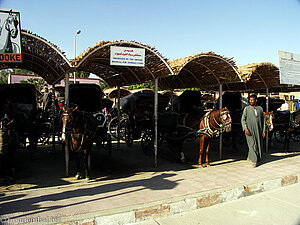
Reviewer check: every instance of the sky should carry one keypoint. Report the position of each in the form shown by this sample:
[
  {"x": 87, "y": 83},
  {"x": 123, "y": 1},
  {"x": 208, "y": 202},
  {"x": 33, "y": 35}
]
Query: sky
[{"x": 250, "y": 31}]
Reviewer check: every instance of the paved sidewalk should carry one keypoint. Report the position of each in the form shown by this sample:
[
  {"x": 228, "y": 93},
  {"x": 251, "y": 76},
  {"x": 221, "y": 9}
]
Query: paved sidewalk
[
  {"x": 148, "y": 195},
  {"x": 276, "y": 207}
]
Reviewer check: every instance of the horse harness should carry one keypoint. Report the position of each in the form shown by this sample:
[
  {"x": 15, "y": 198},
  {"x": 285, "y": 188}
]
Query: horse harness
[
  {"x": 77, "y": 135},
  {"x": 210, "y": 130}
]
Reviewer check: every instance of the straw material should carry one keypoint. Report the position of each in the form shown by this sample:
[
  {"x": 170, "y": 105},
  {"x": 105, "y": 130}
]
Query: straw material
[
  {"x": 203, "y": 70},
  {"x": 96, "y": 60},
  {"x": 41, "y": 57}
]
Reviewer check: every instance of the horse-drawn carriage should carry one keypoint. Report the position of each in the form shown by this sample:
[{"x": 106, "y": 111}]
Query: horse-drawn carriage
[
  {"x": 19, "y": 121},
  {"x": 137, "y": 122},
  {"x": 84, "y": 123}
]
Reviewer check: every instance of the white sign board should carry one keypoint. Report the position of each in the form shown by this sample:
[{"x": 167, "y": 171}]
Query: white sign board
[
  {"x": 125, "y": 56},
  {"x": 289, "y": 66},
  {"x": 10, "y": 36}
]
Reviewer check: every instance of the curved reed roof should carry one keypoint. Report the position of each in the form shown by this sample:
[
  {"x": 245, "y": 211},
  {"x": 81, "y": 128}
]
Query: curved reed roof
[
  {"x": 96, "y": 60},
  {"x": 42, "y": 57},
  {"x": 259, "y": 76},
  {"x": 203, "y": 70}
]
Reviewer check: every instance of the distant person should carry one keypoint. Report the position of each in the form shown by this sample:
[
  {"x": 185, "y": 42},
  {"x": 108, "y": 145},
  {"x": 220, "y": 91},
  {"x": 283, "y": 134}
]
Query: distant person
[
  {"x": 297, "y": 105},
  {"x": 253, "y": 123}
]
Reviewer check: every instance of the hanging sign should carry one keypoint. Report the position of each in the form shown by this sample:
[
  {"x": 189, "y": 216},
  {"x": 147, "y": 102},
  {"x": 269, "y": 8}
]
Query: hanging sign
[
  {"x": 289, "y": 66},
  {"x": 125, "y": 56},
  {"x": 10, "y": 36}
]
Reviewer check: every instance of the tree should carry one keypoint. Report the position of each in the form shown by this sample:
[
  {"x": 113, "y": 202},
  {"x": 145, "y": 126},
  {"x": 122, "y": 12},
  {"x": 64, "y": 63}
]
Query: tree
[
  {"x": 4, "y": 76},
  {"x": 37, "y": 82},
  {"x": 82, "y": 74},
  {"x": 149, "y": 85}
]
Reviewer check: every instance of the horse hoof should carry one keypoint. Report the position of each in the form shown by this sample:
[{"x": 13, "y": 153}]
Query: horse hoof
[
  {"x": 199, "y": 166},
  {"x": 77, "y": 177},
  {"x": 207, "y": 165}
]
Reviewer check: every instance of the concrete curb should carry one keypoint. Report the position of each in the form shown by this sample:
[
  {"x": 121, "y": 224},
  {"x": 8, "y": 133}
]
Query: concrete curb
[{"x": 137, "y": 213}]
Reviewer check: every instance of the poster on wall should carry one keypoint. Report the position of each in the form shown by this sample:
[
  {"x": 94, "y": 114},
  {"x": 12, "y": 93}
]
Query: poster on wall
[
  {"x": 10, "y": 36},
  {"x": 289, "y": 66},
  {"x": 125, "y": 56}
]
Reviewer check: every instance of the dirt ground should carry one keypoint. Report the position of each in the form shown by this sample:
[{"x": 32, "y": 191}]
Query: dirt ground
[{"x": 47, "y": 167}]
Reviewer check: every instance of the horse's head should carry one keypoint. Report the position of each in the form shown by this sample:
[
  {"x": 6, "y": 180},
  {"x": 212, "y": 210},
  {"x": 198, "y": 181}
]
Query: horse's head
[
  {"x": 67, "y": 119},
  {"x": 225, "y": 120},
  {"x": 11, "y": 24},
  {"x": 269, "y": 116}
]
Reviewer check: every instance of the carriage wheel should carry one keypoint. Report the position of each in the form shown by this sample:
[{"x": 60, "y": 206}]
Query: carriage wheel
[
  {"x": 191, "y": 138},
  {"x": 279, "y": 136},
  {"x": 147, "y": 143},
  {"x": 128, "y": 136},
  {"x": 112, "y": 127},
  {"x": 227, "y": 140},
  {"x": 241, "y": 138},
  {"x": 295, "y": 137}
]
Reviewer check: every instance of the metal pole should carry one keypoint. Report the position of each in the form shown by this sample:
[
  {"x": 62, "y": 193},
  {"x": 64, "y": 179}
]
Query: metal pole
[
  {"x": 53, "y": 117},
  {"x": 77, "y": 32},
  {"x": 67, "y": 90},
  {"x": 119, "y": 116},
  {"x": 66, "y": 145},
  {"x": 267, "y": 110},
  {"x": 155, "y": 119},
  {"x": 74, "y": 56},
  {"x": 220, "y": 107}
]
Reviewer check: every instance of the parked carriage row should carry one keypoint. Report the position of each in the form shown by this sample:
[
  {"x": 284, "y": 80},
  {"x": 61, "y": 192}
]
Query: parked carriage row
[{"x": 177, "y": 123}]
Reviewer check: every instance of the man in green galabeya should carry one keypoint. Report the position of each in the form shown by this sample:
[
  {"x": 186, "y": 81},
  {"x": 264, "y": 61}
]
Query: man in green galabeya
[{"x": 253, "y": 123}]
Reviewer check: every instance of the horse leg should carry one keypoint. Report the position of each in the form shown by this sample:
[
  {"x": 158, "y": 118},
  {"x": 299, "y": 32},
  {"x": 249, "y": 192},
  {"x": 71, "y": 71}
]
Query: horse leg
[
  {"x": 289, "y": 134},
  {"x": 285, "y": 140},
  {"x": 206, "y": 153},
  {"x": 87, "y": 162},
  {"x": 77, "y": 165},
  {"x": 202, "y": 140},
  {"x": 66, "y": 147}
]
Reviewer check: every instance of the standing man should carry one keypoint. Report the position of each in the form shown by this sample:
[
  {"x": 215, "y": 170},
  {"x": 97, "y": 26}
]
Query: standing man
[{"x": 253, "y": 123}]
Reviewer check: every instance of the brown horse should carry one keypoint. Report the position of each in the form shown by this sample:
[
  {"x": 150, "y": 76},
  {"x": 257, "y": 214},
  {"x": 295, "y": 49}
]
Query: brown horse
[
  {"x": 78, "y": 131},
  {"x": 212, "y": 123},
  {"x": 269, "y": 116}
]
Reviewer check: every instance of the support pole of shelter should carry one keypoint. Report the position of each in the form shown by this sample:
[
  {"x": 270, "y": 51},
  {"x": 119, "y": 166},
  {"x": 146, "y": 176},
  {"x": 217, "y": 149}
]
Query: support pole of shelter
[
  {"x": 67, "y": 91},
  {"x": 53, "y": 117},
  {"x": 155, "y": 119},
  {"x": 66, "y": 146},
  {"x": 220, "y": 107},
  {"x": 267, "y": 110},
  {"x": 119, "y": 117}
]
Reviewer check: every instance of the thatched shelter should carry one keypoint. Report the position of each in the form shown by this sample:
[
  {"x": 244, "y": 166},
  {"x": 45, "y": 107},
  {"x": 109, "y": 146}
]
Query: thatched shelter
[
  {"x": 96, "y": 60},
  {"x": 258, "y": 77},
  {"x": 203, "y": 70},
  {"x": 41, "y": 57}
]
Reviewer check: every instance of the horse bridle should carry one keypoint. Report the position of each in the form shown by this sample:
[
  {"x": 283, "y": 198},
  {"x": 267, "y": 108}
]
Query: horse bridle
[
  {"x": 70, "y": 130},
  {"x": 268, "y": 117},
  {"x": 211, "y": 130}
]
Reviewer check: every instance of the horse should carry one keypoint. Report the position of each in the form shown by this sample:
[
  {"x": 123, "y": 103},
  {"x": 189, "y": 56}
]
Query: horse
[
  {"x": 269, "y": 116},
  {"x": 212, "y": 123},
  {"x": 292, "y": 128},
  {"x": 8, "y": 31},
  {"x": 7, "y": 147},
  {"x": 78, "y": 130}
]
